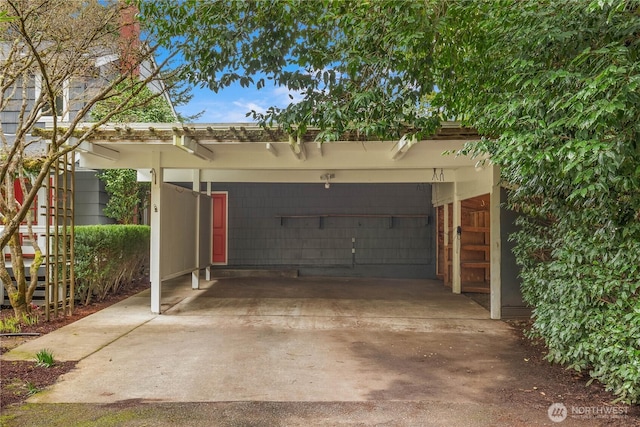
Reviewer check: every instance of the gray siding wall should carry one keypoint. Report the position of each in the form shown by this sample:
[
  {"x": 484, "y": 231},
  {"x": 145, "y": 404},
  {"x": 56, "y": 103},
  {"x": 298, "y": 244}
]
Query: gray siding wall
[
  {"x": 511, "y": 296},
  {"x": 79, "y": 92},
  {"x": 91, "y": 198},
  {"x": 9, "y": 116},
  {"x": 403, "y": 248}
]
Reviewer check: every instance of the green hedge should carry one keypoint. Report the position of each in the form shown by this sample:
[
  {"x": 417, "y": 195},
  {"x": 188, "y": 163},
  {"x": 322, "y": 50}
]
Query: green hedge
[
  {"x": 108, "y": 257},
  {"x": 586, "y": 293}
]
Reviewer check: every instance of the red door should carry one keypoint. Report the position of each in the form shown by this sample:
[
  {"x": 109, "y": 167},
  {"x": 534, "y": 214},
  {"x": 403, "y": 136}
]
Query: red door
[{"x": 219, "y": 228}]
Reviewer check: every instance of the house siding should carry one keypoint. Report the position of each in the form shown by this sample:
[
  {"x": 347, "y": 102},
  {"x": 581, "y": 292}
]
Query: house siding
[
  {"x": 90, "y": 199},
  {"x": 512, "y": 303},
  {"x": 90, "y": 196},
  {"x": 9, "y": 116},
  {"x": 384, "y": 247}
]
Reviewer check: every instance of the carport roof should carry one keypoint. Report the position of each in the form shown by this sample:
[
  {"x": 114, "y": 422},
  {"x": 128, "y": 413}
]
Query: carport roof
[
  {"x": 243, "y": 133},
  {"x": 246, "y": 152}
]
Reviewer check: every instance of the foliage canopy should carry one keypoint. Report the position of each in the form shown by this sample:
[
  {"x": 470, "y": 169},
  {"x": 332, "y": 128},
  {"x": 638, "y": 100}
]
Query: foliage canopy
[
  {"x": 559, "y": 87},
  {"x": 142, "y": 105},
  {"x": 355, "y": 72}
]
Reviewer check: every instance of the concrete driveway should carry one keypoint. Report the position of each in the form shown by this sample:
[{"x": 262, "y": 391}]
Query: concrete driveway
[{"x": 291, "y": 340}]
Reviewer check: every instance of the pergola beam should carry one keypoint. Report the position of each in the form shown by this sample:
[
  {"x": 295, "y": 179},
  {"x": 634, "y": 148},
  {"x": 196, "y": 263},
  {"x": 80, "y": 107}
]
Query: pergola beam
[
  {"x": 189, "y": 145},
  {"x": 271, "y": 149},
  {"x": 99, "y": 150},
  {"x": 403, "y": 146},
  {"x": 297, "y": 148}
]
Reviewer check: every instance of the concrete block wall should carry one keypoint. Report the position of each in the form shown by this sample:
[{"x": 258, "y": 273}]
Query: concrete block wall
[{"x": 404, "y": 247}]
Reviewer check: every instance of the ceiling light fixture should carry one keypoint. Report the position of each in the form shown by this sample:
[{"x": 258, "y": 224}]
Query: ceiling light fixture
[{"x": 327, "y": 179}]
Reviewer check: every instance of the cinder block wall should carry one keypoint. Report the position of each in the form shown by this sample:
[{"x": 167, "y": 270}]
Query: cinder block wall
[{"x": 404, "y": 247}]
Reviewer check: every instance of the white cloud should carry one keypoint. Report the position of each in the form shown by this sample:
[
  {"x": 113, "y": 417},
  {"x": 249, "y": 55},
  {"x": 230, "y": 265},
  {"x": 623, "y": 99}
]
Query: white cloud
[
  {"x": 223, "y": 115},
  {"x": 231, "y": 106},
  {"x": 249, "y": 105},
  {"x": 281, "y": 94},
  {"x": 216, "y": 111}
]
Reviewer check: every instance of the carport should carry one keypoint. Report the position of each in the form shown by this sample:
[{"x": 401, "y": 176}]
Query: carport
[{"x": 197, "y": 170}]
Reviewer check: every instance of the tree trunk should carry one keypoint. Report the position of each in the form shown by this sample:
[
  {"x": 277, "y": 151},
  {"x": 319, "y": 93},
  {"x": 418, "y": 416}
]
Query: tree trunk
[
  {"x": 16, "y": 286},
  {"x": 20, "y": 306}
]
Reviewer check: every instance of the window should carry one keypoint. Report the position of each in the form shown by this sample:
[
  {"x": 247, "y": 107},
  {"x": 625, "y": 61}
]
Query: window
[{"x": 61, "y": 101}]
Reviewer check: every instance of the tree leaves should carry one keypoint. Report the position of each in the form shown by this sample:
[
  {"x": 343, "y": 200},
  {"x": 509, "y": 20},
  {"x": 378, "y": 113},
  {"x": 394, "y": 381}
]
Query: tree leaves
[
  {"x": 141, "y": 105},
  {"x": 565, "y": 104},
  {"x": 125, "y": 194},
  {"x": 356, "y": 64}
]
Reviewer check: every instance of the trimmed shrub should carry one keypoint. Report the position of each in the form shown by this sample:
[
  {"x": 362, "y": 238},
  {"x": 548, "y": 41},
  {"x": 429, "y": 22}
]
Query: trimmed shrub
[{"x": 108, "y": 257}]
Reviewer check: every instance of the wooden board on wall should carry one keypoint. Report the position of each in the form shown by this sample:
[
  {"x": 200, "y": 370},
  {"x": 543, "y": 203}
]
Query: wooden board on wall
[
  {"x": 474, "y": 245},
  {"x": 440, "y": 266}
]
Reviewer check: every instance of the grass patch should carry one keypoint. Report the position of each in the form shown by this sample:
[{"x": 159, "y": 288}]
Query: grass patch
[
  {"x": 45, "y": 358},
  {"x": 31, "y": 388},
  {"x": 9, "y": 325}
]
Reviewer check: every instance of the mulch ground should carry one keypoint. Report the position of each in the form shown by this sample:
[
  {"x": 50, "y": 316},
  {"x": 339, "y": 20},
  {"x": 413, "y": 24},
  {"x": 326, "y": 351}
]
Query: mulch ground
[
  {"x": 21, "y": 379},
  {"x": 559, "y": 384}
]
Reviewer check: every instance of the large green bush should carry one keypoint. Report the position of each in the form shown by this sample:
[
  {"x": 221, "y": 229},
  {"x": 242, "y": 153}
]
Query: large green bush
[
  {"x": 584, "y": 284},
  {"x": 558, "y": 84},
  {"x": 108, "y": 257}
]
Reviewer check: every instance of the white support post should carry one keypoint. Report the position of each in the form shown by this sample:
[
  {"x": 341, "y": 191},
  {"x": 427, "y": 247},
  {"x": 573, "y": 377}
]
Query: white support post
[
  {"x": 195, "y": 275},
  {"x": 496, "y": 248},
  {"x": 156, "y": 232},
  {"x": 456, "y": 285},
  {"x": 207, "y": 271}
]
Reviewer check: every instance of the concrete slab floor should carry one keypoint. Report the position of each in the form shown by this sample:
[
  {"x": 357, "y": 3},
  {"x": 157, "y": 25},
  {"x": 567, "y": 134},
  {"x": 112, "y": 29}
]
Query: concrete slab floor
[{"x": 288, "y": 340}]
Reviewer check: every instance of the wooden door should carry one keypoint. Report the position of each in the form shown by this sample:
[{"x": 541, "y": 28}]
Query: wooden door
[{"x": 219, "y": 240}]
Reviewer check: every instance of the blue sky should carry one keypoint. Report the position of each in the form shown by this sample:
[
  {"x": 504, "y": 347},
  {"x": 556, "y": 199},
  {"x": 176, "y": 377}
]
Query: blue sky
[{"x": 231, "y": 104}]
